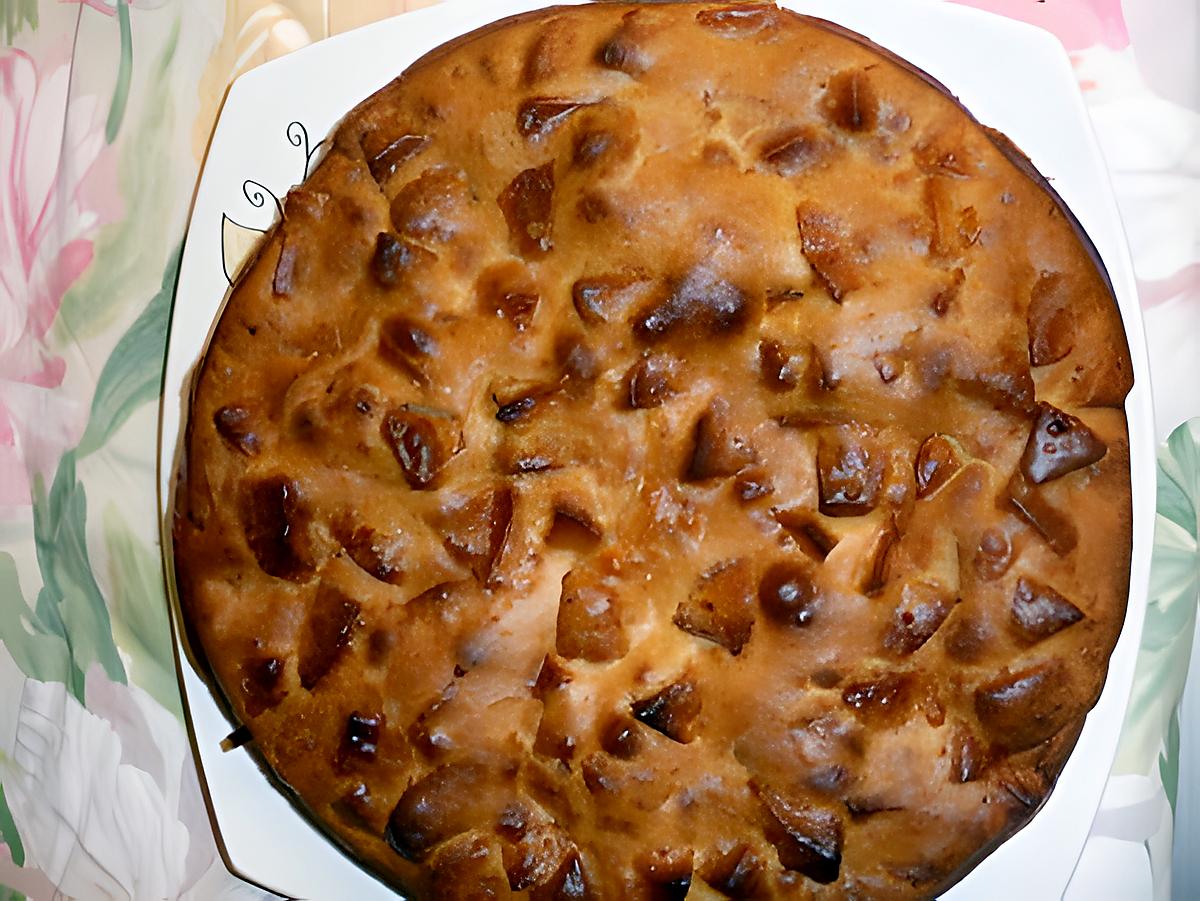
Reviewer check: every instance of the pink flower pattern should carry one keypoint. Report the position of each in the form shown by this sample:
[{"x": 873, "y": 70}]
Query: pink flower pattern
[
  {"x": 1079, "y": 24},
  {"x": 45, "y": 245},
  {"x": 109, "y": 8}
]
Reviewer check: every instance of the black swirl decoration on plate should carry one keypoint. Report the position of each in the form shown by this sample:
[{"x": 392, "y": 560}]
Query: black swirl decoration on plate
[
  {"x": 297, "y": 136},
  {"x": 256, "y": 193}
]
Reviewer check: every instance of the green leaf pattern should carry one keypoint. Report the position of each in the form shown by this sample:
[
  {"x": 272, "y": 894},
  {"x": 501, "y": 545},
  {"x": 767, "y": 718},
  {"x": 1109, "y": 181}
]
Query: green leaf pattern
[
  {"x": 8, "y": 832},
  {"x": 40, "y": 652},
  {"x": 70, "y": 595},
  {"x": 1168, "y": 761},
  {"x": 17, "y": 15},
  {"x": 139, "y": 606},
  {"x": 133, "y": 374},
  {"x": 1162, "y": 665}
]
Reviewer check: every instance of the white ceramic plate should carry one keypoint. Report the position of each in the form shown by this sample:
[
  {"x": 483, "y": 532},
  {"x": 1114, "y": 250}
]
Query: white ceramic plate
[{"x": 1011, "y": 76}]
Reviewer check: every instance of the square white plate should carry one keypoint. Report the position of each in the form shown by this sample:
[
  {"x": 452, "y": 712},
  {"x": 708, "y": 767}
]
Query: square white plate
[{"x": 1011, "y": 76}]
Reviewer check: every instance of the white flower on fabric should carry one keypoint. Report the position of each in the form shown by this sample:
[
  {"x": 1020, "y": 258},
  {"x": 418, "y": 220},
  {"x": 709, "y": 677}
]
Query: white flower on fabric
[
  {"x": 105, "y": 797},
  {"x": 47, "y": 152}
]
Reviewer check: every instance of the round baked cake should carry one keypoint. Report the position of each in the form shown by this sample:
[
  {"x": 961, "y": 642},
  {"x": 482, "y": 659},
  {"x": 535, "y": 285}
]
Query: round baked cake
[{"x": 662, "y": 450}]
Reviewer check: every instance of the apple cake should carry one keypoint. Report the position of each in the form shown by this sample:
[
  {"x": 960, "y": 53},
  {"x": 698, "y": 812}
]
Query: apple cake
[{"x": 662, "y": 450}]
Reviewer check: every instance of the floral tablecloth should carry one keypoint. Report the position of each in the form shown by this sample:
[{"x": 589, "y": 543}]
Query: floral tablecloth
[{"x": 106, "y": 107}]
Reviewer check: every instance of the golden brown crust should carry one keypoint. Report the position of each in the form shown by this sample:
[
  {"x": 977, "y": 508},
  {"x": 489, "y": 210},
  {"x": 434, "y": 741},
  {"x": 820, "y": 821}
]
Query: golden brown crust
[{"x": 663, "y": 444}]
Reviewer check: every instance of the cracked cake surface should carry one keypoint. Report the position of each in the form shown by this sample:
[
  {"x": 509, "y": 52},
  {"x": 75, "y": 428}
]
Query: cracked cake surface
[{"x": 662, "y": 451}]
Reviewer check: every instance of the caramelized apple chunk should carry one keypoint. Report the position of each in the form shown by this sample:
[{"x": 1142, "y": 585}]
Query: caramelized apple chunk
[
  {"x": 652, "y": 381},
  {"x": 920, "y": 613},
  {"x": 262, "y": 683},
  {"x": 700, "y": 305},
  {"x": 794, "y": 152},
  {"x": 720, "y": 606},
  {"x": 788, "y": 595},
  {"x": 423, "y": 440},
  {"x": 1055, "y": 526},
  {"x": 628, "y": 49},
  {"x": 385, "y": 155},
  {"x": 667, "y": 872},
  {"x": 808, "y": 839},
  {"x": 331, "y": 624},
  {"x": 538, "y": 116},
  {"x": 718, "y": 451},
  {"x": 881, "y": 697},
  {"x": 1038, "y": 611},
  {"x": 1021, "y": 709},
  {"x": 360, "y": 741},
  {"x": 275, "y": 515},
  {"x": 408, "y": 346},
  {"x": 534, "y": 851},
  {"x": 432, "y": 208},
  {"x": 569, "y": 883},
  {"x": 849, "y": 471},
  {"x": 850, "y": 102},
  {"x": 528, "y": 206},
  {"x": 737, "y": 873},
  {"x": 1051, "y": 319},
  {"x": 589, "y": 620},
  {"x": 835, "y": 254},
  {"x": 937, "y": 461},
  {"x": 477, "y": 527},
  {"x": 605, "y": 298},
  {"x": 393, "y": 257},
  {"x": 236, "y": 425},
  {"x": 1059, "y": 444},
  {"x": 440, "y": 805},
  {"x": 672, "y": 711}
]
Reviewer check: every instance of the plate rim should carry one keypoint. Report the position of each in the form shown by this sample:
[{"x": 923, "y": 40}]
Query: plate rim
[{"x": 1116, "y": 259}]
